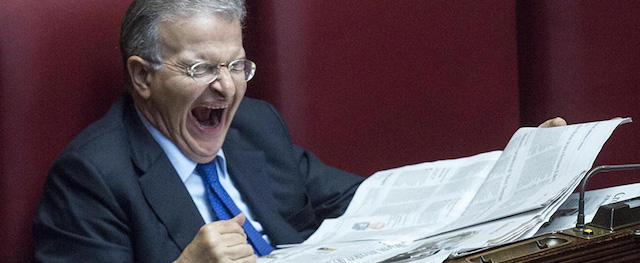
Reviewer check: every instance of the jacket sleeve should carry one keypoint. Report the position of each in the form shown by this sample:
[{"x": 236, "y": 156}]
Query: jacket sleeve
[
  {"x": 329, "y": 189},
  {"x": 92, "y": 228}
]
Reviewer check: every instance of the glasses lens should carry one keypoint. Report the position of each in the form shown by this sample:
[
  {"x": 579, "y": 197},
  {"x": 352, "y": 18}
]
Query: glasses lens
[
  {"x": 243, "y": 65},
  {"x": 249, "y": 69},
  {"x": 203, "y": 72}
]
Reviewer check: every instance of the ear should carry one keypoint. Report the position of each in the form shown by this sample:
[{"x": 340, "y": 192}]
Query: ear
[{"x": 139, "y": 72}]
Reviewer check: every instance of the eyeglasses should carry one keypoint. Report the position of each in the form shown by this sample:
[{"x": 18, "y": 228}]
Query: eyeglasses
[{"x": 205, "y": 72}]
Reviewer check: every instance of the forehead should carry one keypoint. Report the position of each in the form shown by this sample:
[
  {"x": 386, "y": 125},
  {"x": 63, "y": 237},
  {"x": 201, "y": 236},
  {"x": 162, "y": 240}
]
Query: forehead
[{"x": 201, "y": 36}]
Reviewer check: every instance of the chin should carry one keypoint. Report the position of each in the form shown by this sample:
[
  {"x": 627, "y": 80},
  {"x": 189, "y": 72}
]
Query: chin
[
  {"x": 203, "y": 159},
  {"x": 208, "y": 153}
]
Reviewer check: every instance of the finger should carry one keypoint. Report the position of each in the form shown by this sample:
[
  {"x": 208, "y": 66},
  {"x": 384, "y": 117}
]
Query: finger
[
  {"x": 229, "y": 250},
  {"x": 222, "y": 227},
  {"x": 557, "y": 121},
  {"x": 241, "y": 252},
  {"x": 249, "y": 259},
  {"x": 232, "y": 253},
  {"x": 233, "y": 225},
  {"x": 544, "y": 124},
  {"x": 234, "y": 239},
  {"x": 226, "y": 246},
  {"x": 239, "y": 219}
]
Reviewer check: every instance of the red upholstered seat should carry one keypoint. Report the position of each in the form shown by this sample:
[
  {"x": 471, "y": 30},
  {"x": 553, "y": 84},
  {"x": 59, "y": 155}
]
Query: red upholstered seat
[{"x": 60, "y": 70}]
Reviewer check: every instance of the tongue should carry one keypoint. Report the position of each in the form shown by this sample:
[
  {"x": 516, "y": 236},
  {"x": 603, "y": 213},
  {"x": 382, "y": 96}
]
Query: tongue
[{"x": 205, "y": 116}]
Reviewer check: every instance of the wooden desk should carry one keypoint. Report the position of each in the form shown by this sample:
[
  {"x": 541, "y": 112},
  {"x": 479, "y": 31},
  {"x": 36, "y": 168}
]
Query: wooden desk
[{"x": 566, "y": 246}]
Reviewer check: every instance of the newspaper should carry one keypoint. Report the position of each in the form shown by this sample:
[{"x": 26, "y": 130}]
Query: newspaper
[
  {"x": 488, "y": 199},
  {"x": 567, "y": 215}
]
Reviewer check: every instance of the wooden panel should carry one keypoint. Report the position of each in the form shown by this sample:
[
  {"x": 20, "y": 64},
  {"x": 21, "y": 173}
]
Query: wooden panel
[{"x": 620, "y": 246}]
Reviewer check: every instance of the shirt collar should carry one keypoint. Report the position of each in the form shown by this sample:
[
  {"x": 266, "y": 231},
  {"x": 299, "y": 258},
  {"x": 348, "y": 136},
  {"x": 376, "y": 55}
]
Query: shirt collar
[{"x": 183, "y": 165}]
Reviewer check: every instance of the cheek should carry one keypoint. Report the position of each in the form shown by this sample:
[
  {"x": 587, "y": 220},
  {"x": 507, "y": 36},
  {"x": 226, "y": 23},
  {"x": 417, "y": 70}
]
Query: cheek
[
  {"x": 241, "y": 88},
  {"x": 175, "y": 103},
  {"x": 177, "y": 94}
]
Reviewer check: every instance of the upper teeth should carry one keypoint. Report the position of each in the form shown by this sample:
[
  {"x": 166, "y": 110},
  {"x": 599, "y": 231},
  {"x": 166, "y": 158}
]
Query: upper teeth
[{"x": 217, "y": 107}]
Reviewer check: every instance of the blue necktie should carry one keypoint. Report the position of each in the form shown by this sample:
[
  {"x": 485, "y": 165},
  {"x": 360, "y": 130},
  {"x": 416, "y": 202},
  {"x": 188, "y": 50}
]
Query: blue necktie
[{"x": 225, "y": 208}]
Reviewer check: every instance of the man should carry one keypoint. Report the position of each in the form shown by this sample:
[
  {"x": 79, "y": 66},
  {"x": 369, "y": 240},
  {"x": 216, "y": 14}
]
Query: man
[{"x": 140, "y": 183}]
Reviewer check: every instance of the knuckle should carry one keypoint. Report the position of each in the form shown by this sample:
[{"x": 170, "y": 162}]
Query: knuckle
[
  {"x": 251, "y": 251},
  {"x": 249, "y": 259},
  {"x": 206, "y": 228},
  {"x": 247, "y": 248},
  {"x": 211, "y": 244},
  {"x": 218, "y": 252}
]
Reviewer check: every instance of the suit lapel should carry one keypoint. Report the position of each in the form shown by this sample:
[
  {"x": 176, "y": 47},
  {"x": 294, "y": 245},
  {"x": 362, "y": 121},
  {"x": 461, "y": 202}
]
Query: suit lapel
[
  {"x": 171, "y": 202},
  {"x": 247, "y": 169},
  {"x": 160, "y": 184}
]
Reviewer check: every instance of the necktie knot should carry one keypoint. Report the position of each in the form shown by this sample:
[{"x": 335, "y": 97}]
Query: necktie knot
[{"x": 208, "y": 172}]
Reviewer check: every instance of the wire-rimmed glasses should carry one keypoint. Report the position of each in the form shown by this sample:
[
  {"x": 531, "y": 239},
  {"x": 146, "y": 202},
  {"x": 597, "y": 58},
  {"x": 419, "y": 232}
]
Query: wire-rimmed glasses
[{"x": 206, "y": 72}]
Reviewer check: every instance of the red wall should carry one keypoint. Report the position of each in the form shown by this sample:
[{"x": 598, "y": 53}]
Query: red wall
[
  {"x": 581, "y": 60},
  {"x": 374, "y": 86}
]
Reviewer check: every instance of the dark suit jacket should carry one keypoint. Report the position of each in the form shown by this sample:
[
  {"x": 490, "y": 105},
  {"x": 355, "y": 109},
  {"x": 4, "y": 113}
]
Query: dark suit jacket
[{"x": 113, "y": 196}]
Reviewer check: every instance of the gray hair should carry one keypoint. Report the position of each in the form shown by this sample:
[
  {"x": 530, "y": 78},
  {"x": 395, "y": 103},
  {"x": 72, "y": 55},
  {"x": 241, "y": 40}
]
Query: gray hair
[{"x": 139, "y": 30}]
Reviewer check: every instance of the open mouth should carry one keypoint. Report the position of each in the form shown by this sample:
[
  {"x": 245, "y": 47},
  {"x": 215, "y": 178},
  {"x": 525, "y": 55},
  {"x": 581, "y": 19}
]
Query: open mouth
[{"x": 208, "y": 117}]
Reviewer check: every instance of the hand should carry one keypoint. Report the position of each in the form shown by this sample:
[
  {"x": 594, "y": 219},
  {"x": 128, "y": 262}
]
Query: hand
[
  {"x": 557, "y": 121},
  {"x": 220, "y": 241}
]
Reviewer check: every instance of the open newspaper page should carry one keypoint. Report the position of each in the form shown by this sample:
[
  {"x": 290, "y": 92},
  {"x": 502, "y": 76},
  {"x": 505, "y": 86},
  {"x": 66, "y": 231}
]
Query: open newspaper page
[
  {"x": 540, "y": 167},
  {"x": 409, "y": 202},
  {"x": 537, "y": 171},
  {"x": 352, "y": 252},
  {"x": 432, "y": 249}
]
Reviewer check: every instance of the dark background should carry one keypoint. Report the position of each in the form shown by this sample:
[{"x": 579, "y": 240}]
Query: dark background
[{"x": 366, "y": 85}]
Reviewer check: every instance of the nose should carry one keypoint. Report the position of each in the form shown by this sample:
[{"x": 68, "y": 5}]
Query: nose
[{"x": 223, "y": 86}]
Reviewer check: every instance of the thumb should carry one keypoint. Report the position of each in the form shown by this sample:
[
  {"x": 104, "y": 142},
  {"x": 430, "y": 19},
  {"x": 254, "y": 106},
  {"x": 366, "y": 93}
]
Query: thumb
[{"x": 239, "y": 219}]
